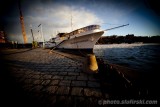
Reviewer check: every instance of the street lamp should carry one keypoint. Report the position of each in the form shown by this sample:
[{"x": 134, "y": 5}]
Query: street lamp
[
  {"x": 33, "y": 42},
  {"x": 32, "y": 32},
  {"x": 41, "y": 33}
]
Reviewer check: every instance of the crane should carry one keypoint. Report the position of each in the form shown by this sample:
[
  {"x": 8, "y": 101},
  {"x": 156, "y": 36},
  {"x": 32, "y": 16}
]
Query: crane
[{"x": 22, "y": 23}]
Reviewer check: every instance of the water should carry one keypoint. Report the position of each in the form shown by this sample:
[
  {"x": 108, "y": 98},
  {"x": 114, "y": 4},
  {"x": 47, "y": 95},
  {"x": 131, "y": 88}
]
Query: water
[{"x": 141, "y": 57}]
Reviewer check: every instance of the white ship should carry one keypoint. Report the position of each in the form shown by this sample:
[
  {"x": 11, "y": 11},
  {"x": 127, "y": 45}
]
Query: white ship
[{"x": 81, "y": 39}]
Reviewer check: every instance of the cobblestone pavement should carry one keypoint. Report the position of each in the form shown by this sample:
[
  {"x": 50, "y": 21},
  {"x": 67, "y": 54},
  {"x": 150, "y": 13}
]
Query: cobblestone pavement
[{"x": 53, "y": 79}]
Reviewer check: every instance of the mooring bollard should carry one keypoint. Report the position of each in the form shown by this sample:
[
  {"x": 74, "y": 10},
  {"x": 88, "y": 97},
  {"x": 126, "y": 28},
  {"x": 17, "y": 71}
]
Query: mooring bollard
[{"x": 91, "y": 64}]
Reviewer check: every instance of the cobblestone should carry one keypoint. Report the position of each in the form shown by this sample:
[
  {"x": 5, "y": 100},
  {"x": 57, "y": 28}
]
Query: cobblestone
[
  {"x": 93, "y": 84},
  {"x": 92, "y": 92},
  {"x": 54, "y": 82},
  {"x": 62, "y": 90},
  {"x": 53, "y": 77},
  {"x": 63, "y": 73},
  {"x": 82, "y": 78},
  {"x": 70, "y": 78},
  {"x": 78, "y": 83},
  {"x": 45, "y": 82},
  {"x": 57, "y": 77},
  {"x": 65, "y": 83},
  {"x": 36, "y": 82},
  {"x": 51, "y": 89},
  {"x": 37, "y": 76},
  {"x": 77, "y": 91},
  {"x": 73, "y": 73},
  {"x": 47, "y": 76},
  {"x": 37, "y": 88}
]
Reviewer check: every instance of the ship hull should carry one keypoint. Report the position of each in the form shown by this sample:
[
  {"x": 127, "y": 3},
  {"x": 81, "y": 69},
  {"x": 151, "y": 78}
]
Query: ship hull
[{"x": 85, "y": 42}]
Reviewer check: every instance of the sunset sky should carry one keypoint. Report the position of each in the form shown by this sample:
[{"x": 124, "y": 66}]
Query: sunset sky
[{"x": 55, "y": 16}]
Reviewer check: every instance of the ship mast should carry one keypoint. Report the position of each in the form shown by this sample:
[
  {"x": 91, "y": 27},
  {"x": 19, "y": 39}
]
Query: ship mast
[
  {"x": 71, "y": 21},
  {"x": 22, "y": 23}
]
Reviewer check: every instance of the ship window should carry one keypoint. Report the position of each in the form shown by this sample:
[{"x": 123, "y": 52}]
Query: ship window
[
  {"x": 82, "y": 30},
  {"x": 79, "y": 31},
  {"x": 67, "y": 35},
  {"x": 93, "y": 27},
  {"x": 97, "y": 26},
  {"x": 75, "y": 32},
  {"x": 85, "y": 29},
  {"x": 71, "y": 33},
  {"x": 90, "y": 27}
]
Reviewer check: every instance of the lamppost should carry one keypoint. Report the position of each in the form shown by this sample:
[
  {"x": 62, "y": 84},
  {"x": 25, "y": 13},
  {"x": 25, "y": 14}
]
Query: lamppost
[
  {"x": 33, "y": 42},
  {"x": 41, "y": 34},
  {"x": 32, "y": 32}
]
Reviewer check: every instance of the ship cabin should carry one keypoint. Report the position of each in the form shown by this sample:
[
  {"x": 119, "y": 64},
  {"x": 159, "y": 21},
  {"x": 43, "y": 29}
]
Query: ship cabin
[
  {"x": 84, "y": 29},
  {"x": 63, "y": 36}
]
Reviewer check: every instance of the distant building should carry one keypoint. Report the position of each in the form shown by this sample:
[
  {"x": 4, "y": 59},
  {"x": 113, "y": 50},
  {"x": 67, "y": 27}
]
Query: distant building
[
  {"x": 129, "y": 38},
  {"x": 2, "y": 37},
  {"x": 130, "y": 35}
]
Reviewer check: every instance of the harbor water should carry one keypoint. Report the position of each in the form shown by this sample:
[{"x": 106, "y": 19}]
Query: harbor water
[{"x": 139, "y": 56}]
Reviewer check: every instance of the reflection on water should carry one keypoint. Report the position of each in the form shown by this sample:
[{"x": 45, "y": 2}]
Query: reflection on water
[{"x": 142, "y": 57}]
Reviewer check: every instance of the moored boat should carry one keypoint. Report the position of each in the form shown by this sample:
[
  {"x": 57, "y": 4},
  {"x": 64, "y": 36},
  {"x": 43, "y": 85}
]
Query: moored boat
[{"x": 80, "y": 39}]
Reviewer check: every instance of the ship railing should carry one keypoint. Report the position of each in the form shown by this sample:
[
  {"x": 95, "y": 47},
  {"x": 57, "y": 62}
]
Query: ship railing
[{"x": 84, "y": 29}]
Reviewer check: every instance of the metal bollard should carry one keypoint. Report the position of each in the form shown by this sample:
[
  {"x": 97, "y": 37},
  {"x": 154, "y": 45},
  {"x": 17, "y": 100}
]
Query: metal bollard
[{"x": 92, "y": 66}]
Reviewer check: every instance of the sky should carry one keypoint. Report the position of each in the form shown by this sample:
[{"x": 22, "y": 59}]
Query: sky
[{"x": 67, "y": 15}]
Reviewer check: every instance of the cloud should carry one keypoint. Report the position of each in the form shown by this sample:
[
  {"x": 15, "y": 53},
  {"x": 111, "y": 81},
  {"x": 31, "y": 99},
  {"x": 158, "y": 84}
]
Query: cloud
[
  {"x": 55, "y": 15},
  {"x": 58, "y": 18}
]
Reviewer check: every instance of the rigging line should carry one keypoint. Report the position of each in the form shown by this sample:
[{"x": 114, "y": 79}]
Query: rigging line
[
  {"x": 111, "y": 24},
  {"x": 116, "y": 27},
  {"x": 82, "y": 53}
]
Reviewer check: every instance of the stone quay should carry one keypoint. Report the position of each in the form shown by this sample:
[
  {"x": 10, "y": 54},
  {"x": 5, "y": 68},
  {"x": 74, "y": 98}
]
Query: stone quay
[
  {"x": 38, "y": 77},
  {"x": 49, "y": 79}
]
